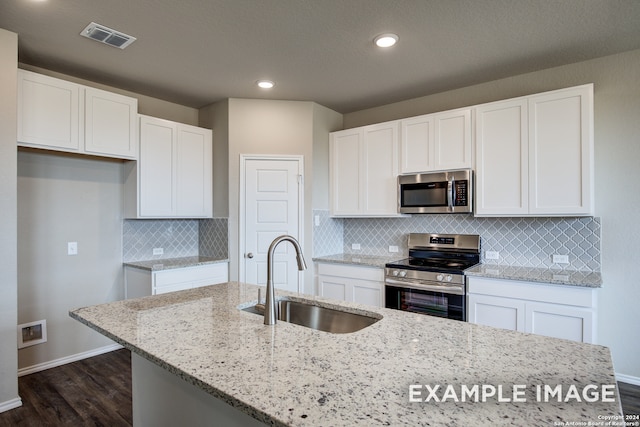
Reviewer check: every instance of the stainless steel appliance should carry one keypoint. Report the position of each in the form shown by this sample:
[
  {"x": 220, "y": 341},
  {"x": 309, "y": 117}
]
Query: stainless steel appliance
[
  {"x": 436, "y": 192},
  {"x": 431, "y": 281}
]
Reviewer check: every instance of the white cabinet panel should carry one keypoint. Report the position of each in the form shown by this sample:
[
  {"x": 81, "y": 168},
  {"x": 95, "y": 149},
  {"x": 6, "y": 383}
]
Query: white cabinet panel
[
  {"x": 551, "y": 320},
  {"x": 110, "y": 124},
  {"x": 567, "y": 312},
  {"x": 453, "y": 147},
  {"x": 364, "y": 170},
  {"x": 561, "y": 152},
  {"x": 48, "y": 112},
  {"x": 173, "y": 178},
  {"x": 417, "y": 144},
  {"x": 363, "y": 285},
  {"x": 502, "y": 177},
  {"x": 141, "y": 282},
  {"x": 503, "y": 313},
  {"x": 534, "y": 155},
  {"x": 345, "y": 172},
  {"x": 59, "y": 115}
]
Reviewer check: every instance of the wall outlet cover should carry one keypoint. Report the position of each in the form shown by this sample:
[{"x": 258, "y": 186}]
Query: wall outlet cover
[
  {"x": 158, "y": 251},
  {"x": 561, "y": 259},
  {"x": 355, "y": 246},
  {"x": 492, "y": 255},
  {"x": 393, "y": 249}
]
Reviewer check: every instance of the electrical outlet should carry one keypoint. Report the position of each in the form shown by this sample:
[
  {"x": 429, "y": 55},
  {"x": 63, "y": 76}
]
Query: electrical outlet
[
  {"x": 316, "y": 220},
  {"x": 355, "y": 246},
  {"x": 561, "y": 259},
  {"x": 72, "y": 248},
  {"x": 158, "y": 251},
  {"x": 492, "y": 255},
  {"x": 393, "y": 249}
]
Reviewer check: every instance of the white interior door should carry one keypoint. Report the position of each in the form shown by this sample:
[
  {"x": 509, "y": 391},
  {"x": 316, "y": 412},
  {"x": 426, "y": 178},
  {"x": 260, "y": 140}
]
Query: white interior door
[{"x": 272, "y": 207}]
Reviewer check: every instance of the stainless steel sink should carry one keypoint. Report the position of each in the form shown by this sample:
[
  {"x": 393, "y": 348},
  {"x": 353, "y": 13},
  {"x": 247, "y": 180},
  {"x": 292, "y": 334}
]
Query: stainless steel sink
[{"x": 317, "y": 317}]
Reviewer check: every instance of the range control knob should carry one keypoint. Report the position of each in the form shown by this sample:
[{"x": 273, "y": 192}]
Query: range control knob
[
  {"x": 395, "y": 272},
  {"x": 448, "y": 278},
  {"x": 403, "y": 274},
  {"x": 439, "y": 277}
]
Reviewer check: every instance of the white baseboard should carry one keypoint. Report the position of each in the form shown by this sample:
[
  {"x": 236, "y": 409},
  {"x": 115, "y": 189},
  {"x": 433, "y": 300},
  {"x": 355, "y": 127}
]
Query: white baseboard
[
  {"x": 628, "y": 379},
  {"x": 68, "y": 359},
  {"x": 10, "y": 404}
]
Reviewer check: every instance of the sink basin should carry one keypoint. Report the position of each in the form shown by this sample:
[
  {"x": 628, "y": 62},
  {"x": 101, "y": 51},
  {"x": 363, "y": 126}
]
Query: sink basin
[{"x": 318, "y": 317}]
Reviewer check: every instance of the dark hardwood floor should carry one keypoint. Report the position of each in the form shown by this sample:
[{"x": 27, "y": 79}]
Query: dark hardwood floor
[
  {"x": 97, "y": 392},
  {"x": 90, "y": 392}
]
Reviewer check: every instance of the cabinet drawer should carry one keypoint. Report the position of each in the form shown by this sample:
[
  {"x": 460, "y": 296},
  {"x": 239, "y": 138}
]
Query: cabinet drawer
[
  {"x": 351, "y": 271},
  {"x": 190, "y": 274}
]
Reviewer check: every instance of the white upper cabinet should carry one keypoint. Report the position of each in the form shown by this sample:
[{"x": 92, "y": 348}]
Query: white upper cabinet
[
  {"x": 110, "y": 124},
  {"x": 173, "y": 177},
  {"x": 441, "y": 141},
  {"x": 59, "y": 115},
  {"x": 48, "y": 112},
  {"x": 364, "y": 170},
  {"x": 534, "y": 155},
  {"x": 561, "y": 152},
  {"x": 453, "y": 145},
  {"x": 502, "y": 177}
]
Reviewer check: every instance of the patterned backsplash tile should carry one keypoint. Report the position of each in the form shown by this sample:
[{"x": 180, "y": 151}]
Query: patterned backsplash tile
[
  {"x": 328, "y": 236},
  {"x": 177, "y": 237},
  {"x": 526, "y": 242},
  {"x": 214, "y": 237}
]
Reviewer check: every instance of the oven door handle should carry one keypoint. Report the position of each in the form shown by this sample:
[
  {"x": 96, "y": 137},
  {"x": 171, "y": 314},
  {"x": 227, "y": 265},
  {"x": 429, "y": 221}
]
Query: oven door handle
[{"x": 445, "y": 289}]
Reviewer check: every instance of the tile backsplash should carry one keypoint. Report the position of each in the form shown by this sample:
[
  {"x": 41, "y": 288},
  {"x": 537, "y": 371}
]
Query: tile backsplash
[
  {"x": 526, "y": 242},
  {"x": 177, "y": 237}
]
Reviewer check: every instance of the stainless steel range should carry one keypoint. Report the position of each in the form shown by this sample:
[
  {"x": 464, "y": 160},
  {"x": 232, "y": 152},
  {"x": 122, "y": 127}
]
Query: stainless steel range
[{"x": 431, "y": 281}]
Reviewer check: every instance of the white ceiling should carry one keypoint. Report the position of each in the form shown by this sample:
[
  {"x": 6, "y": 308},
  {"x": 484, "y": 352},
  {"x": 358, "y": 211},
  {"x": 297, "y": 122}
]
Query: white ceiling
[{"x": 195, "y": 52}]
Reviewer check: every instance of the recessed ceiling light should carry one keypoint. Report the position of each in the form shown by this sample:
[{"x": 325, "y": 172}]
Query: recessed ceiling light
[
  {"x": 386, "y": 40},
  {"x": 265, "y": 84}
]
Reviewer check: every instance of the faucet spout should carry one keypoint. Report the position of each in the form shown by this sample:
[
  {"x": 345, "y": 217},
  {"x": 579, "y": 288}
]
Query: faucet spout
[{"x": 270, "y": 302}]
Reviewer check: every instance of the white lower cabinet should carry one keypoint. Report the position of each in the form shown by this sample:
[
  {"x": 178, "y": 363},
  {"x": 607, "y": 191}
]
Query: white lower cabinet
[
  {"x": 557, "y": 311},
  {"x": 141, "y": 282},
  {"x": 363, "y": 285}
]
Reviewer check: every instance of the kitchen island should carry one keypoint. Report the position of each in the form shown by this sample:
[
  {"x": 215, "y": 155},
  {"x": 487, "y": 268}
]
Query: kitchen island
[{"x": 405, "y": 369}]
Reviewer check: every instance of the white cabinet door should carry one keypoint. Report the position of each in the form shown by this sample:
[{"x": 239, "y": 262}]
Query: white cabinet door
[
  {"x": 453, "y": 147},
  {"x": 561, "y": 152},
  {"x": 345, "y": 164},
  {"x": 174, "y": 171},
  {"x": 553, "y": 320},
  {"x": 110, "y": 124},
  {"x": 193, "y": 171},
  {"x": 156, "y": 167},
  {"x": 48, "y": 112},
  {"x": 363, "y": 285},
  {"x": 380, "y": 183},
  {"x": 417, "y": 144},
  {"x": 503, "y": 313},
  {"x": 364, "y": 171},
  {"x": 502, "y": 177},
  {"x": 333, "y": 287}
]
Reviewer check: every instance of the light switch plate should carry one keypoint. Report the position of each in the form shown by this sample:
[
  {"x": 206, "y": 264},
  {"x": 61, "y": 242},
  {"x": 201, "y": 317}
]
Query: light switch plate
[{"x": 72, "y": 248}]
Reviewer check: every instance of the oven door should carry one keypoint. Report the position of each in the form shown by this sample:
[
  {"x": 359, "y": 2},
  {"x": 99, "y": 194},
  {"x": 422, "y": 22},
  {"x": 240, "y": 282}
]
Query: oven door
[{"x": 433, "y": 302}]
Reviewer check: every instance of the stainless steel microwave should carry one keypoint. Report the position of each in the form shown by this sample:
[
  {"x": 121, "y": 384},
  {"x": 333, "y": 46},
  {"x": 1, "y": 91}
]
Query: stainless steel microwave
[{"x": 436, "y": 192}]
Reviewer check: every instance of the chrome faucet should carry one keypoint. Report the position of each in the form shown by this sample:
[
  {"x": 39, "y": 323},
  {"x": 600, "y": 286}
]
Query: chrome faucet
[{"x": 270, "y": 302}]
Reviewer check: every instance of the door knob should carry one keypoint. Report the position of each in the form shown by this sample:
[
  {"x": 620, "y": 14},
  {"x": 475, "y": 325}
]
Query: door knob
[{"x": 249, "y": 255}]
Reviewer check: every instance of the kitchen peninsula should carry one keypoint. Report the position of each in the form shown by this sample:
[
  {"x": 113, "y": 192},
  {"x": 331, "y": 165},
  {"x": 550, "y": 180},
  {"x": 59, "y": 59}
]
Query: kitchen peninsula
[{"x": 204, "y": 348}]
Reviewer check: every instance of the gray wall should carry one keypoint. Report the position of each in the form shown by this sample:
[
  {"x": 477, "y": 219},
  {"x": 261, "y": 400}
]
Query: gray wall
[
  {"x": 617, "y": 155},
  {"x": 8, "y": 236}
]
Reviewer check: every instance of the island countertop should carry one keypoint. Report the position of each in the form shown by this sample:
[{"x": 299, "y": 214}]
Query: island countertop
[{"x": 291, "y": 375}]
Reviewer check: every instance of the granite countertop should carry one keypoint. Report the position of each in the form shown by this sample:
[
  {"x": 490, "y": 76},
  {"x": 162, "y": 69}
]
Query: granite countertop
[
  {"x": 170, "y": 263},
  {"x": 362, "y": 260},
  {"x": 588, "y": 279},
  {"x": 289, "y": 375}
]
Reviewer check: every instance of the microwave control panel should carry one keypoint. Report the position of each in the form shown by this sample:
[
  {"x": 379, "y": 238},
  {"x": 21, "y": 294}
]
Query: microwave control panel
[{"x": 460, "y": 191}]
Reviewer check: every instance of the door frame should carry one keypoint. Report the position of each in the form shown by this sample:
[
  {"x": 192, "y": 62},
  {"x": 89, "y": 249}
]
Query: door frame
[{"x": 241, "y": 206}]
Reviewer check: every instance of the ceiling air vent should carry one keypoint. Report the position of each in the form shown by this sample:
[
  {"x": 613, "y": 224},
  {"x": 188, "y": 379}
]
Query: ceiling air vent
[{"x": 108, "y": 36}]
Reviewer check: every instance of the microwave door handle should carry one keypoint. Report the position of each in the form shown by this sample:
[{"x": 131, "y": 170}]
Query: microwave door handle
[{"x": 450, "y": 188}]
